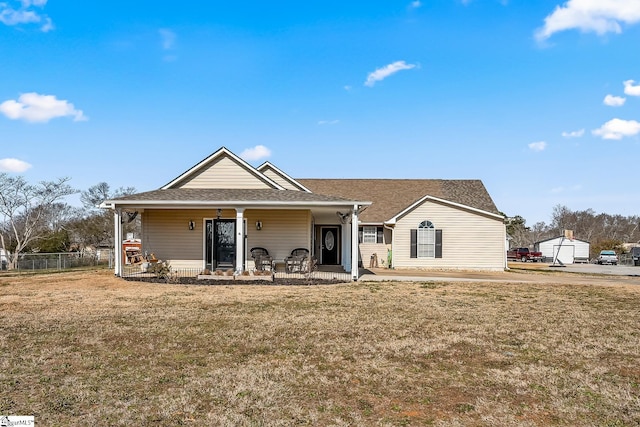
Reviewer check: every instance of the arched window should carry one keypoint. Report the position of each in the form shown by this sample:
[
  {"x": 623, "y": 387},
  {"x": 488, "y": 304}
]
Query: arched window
[{"x": 426, "y": 240}]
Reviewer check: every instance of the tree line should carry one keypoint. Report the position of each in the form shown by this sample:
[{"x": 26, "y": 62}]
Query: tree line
[
  {"x": 601, "y": 230},
  {"x": 36, "y": 217}
]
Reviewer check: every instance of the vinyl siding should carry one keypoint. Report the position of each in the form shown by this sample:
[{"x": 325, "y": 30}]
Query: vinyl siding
[
  {"x": 224, "y": 173},
  {"x": 470, "y": 241},
  {"x": 279, "y": 179},
  {"x": 549, "y": 248},
  {"x": 379, "y": 249},
  {"x": 166, "y": 233}
]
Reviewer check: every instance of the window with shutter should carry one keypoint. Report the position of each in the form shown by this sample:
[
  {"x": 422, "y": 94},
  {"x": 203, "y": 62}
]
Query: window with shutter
[{"x": 426, "y": 241}]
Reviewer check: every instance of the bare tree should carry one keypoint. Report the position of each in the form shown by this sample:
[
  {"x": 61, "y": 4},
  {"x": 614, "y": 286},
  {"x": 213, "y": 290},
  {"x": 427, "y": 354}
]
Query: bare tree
[{"x": 24, "y": 208}]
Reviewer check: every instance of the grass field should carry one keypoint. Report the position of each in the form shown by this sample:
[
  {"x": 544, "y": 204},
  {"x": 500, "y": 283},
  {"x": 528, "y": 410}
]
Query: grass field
[{"x": 88, "y": 349}]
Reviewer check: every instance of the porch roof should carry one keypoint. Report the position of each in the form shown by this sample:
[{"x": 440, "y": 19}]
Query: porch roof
[{"x": 204, "y": 197}]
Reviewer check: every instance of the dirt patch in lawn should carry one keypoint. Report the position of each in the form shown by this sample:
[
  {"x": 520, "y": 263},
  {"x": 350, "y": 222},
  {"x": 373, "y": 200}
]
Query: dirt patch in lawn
[{"x": 92, "y": 349}]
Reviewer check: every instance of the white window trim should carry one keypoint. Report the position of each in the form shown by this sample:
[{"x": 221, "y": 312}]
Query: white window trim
[
  {"x": 426, "y": 240},
  {"x": 369, "y": 236}
]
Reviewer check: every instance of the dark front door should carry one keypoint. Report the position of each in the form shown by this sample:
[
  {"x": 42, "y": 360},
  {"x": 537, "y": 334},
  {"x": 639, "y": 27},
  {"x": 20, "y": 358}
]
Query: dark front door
[
  {"x": 329, "y": 245},
  {"x": 220, "y": 248}
]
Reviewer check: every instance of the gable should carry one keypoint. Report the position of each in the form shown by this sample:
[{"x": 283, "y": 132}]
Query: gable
[
  {"x": 223, "y": 170},
  {"x": 281, "y": 178}
]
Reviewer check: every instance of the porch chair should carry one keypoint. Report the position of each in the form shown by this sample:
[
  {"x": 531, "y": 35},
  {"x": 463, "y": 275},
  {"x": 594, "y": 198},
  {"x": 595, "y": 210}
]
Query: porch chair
[
  {"x": 262, "y": 259},
  {"x": 298, "y": 261}
]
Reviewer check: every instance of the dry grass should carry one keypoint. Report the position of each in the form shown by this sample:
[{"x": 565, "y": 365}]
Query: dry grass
[{"x": 88, "y": 349}]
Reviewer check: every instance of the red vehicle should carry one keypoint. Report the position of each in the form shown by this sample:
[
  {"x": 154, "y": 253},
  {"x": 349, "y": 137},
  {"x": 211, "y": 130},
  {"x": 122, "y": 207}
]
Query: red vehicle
[{"x": 524, "y": 255}]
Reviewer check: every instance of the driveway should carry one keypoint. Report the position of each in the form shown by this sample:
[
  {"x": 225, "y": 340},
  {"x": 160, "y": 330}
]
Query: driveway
[{"x": 517, "y": 273}]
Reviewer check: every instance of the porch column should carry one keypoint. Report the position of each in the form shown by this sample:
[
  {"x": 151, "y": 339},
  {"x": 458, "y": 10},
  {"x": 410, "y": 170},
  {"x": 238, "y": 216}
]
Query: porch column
[
  {"x": 239, "y": 240},
  {"x": 117, "y": 241},
  {"x": 354, "y": 243}
]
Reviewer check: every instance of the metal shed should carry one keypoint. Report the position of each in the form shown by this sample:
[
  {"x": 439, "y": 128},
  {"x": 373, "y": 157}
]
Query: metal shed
[{"x": 569, "y": 251}]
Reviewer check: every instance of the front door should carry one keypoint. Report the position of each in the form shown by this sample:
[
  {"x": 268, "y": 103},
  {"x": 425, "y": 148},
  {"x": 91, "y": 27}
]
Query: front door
[
  {"x": 220, "y": 247},
  {"x": 329, "y": 244}
]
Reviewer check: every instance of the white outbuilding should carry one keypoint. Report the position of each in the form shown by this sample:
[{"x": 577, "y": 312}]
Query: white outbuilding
[{"x": 568, "y": 251}]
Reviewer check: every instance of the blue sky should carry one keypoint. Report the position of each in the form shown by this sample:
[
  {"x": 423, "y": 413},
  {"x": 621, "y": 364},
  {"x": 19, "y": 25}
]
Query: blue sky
[{"x": 538, "y": 99}]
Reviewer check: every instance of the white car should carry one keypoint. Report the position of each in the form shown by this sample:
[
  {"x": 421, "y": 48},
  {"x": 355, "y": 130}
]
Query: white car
[{"x": 607, "y": 257}]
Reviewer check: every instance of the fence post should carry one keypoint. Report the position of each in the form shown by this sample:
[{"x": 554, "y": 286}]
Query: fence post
[{"x": 59, "y": 261}]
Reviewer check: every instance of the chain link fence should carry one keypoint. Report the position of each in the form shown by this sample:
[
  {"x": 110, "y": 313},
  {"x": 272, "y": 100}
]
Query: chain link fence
[{"x": 60, "y": 261}]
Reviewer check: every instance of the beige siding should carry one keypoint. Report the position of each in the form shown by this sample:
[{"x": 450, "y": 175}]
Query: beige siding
[
  {"x": 469, "y": 240},
  {"x": 279, "y": 179},
  {"x": 224, "y": 173},
  {"x": 367, "y": 250},
  {"x": 282, "y": 231},
  {"x": 166, "y": 233}
]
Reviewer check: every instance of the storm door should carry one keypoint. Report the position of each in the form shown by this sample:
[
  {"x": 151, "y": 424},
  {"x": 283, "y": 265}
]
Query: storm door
[
  {"x": 329, "y": 245},
  {"x": 220, "y": 243}
]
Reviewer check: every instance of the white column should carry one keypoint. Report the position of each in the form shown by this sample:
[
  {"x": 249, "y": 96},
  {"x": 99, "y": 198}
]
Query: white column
[
  {"x": 117, "y": 242},
  {"x": 239, "y": 240},
  {"x": 354, "y": 243}
]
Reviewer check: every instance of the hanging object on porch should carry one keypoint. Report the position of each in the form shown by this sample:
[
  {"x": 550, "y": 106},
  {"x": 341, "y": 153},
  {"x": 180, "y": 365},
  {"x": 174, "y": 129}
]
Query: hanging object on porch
[{"x": 343, "y": 216}]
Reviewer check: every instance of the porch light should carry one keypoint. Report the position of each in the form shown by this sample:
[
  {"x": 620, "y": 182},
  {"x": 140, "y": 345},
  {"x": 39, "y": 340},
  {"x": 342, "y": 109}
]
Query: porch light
[
  {"x": 219, "y": 213},
  {"x": 192, "y": 224},
  {"x": 258, "y": 225}
]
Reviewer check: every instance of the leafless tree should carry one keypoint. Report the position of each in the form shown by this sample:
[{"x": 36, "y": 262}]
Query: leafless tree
[{"x": 24, "y": 209}]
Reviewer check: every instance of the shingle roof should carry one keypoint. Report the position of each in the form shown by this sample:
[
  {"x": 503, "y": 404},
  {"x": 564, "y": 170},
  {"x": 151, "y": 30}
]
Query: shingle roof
[
  {"x": 391, "y": 196},
  {"x": 230, "y": 195}
]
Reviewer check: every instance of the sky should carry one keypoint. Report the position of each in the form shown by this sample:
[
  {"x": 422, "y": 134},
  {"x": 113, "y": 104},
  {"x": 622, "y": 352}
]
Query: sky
[{"x": 538, "y": 99}]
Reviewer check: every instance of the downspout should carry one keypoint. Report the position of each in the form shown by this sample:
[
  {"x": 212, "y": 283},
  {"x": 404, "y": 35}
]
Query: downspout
[{"x": 393, "y": 237}]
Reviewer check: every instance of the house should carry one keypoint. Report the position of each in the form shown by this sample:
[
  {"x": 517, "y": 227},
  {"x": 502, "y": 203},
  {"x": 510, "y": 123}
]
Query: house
[
  {"x": 567, "y": 251},
  {"x": 210, "y": 216}
]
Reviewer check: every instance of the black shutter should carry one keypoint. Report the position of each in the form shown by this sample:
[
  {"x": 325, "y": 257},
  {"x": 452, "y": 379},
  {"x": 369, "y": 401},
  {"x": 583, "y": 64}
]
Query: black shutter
[
  {"x": 438, "y": 243},
  {"x": 414, "y": 243},
  {"x": 359, "y": 234},
  {"x": 380, "y": 238}
]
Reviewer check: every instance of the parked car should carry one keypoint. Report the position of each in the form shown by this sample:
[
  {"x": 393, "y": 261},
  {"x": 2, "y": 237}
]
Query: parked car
[
  {"x": 524, "y": 255},
  {"x": 607, "y": 257}
]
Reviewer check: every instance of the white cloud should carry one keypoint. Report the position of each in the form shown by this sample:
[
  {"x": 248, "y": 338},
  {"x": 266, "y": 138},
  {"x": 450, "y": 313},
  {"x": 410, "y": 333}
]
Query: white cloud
[
  {"x": 384, "y": 72},
  {"x": 168, "y": 38},
  {"x": 630, "y": 89},
  {"x": 614, "y": 101},
  {"x": 33, "y": 107},
  {"x": 599, "y": 16},
  {"x": 573, "y": 134},
  {"x": 415, "y": 4},
  {"x": 328, "y": 122},
  {"x": 25, "y": 14},
  {"x": 256, "y": 153},
  {"x": 13, "y": 165},
  {"x": 538, "y": 146},
  {"x": 557, "y": 190},
  {"x": 617, "y": 129}
]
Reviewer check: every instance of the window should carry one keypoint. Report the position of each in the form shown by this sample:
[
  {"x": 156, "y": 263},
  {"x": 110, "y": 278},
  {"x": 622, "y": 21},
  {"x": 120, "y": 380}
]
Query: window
[
  {"x": 369, "y": 234},
  {"x": 426, "y": 240}
]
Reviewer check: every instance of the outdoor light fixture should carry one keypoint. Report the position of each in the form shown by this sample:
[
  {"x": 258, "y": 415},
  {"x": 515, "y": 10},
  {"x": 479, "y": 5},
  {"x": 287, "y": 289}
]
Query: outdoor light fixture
[
  {"x": 258, "y": 225},
  {"x": 219, "y": 213},
  {"x": 192, "y": 224}
]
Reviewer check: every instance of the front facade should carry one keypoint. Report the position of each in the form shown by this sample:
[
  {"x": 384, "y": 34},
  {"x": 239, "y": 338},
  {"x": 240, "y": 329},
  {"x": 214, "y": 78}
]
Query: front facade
[{"x": 210, "y": 217}]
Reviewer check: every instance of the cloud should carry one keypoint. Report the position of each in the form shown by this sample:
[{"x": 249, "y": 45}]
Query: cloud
[
  {"x": 599, "y": 16},
  {"x": 630, "y": 89},
  {"x": 168, "y": 38},
  {"x": 33, "y": 107},
  {"x": 256, "y": 153},
  {"x": 538, "y": 146},
  {"x": 25, "y": 14},
  {"x": 415, "y": 4},
  {"x": 573, "y": 134},
  {"x": 557, "y": 190},
  {"x": 384, "y": 72},
  {"x": 328, "y": 122},
  {"x": 617, "y": 129},
  {"x": 13, "y": 165},
  {"x": 614, "y": 101}
]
